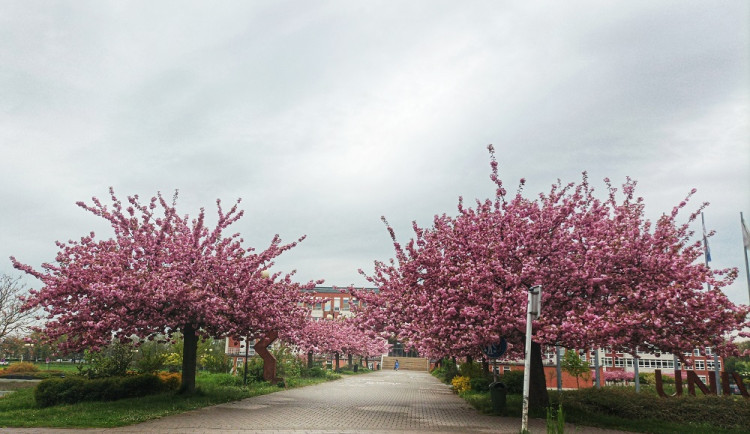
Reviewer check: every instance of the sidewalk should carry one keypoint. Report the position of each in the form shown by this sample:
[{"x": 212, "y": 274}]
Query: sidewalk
[{"x": 382, "y": 402}]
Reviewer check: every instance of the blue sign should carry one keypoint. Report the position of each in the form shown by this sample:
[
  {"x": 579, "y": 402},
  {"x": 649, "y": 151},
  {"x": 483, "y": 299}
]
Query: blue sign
[{"x": 496, "y": 350}]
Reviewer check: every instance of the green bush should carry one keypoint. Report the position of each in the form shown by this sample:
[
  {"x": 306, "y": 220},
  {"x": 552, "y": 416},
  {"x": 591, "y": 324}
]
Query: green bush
[
  {"x": 314, "y": 372},
  {"x": 112, "y": 361},
  {"x": 447, "y": 371},
  {"x": 480, "y": 384},
  {"x": 721, "y": 411},
  {"x": 513, "y": 381},
  {"x": 152, "y": 357},
  {"x": 471, "y": 370},
  {"x": 76, "y": 389},
  {"x": 223, "y": 379}
]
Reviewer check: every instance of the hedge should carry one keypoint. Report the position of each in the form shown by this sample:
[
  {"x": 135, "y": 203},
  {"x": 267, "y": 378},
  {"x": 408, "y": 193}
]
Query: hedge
[
  {"x": 729, "y": 412},
  {"x": 70, "y": 390}
]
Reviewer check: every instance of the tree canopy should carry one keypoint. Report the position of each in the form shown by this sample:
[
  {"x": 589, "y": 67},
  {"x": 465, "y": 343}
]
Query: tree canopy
[{"x": 162, "y": 273}]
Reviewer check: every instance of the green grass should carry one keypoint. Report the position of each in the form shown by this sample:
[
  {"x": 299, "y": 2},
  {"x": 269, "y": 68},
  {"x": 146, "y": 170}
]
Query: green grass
[
  {"x": 19, "y": 408},
  {"x": 622, "y": 409}
]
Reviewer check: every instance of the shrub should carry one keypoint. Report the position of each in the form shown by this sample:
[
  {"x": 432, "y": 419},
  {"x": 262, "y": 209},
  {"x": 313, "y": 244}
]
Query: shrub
[
  {"x": 16, "y": 368},
  {"x": 447, "y": 371},
  {"x": 481, "y": 384},
  {"x": 471, "y": 370},
  {"x": 112, "y": 361},
  {"x": 720, "y": 411},
  {"x": 152, "y": 357},
  {"x": 513, "y": 381},
  {"x": 461, "y": 384},
  {"x": 224, "y": 379},
  {"x": 171, "y": 380},
  {"x": 314, "y": 372},
  {"x": 217, "y": 362},
  {"x": 76, "y": 389}
]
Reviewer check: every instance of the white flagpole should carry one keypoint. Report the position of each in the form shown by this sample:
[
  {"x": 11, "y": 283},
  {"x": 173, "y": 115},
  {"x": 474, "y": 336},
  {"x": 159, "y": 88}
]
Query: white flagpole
[
  {"x": 705, "y": 246},
  {"x": 745, "y": 246}
]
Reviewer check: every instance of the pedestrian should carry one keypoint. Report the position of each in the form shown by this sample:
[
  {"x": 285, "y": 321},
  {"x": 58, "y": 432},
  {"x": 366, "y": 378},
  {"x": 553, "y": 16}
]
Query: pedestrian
[{"x": 395, "y": 365}]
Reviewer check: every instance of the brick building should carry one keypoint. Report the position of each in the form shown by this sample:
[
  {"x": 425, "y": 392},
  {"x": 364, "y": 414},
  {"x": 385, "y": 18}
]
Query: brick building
[{"x": 702, "y": 361}]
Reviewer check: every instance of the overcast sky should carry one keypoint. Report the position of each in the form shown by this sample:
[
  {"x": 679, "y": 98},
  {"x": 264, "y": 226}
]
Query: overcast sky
[{"x": 325, "y": 115}]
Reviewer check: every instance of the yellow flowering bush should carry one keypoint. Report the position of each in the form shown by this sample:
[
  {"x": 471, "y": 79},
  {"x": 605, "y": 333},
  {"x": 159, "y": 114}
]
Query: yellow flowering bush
[{"x": 461, "y": 384}]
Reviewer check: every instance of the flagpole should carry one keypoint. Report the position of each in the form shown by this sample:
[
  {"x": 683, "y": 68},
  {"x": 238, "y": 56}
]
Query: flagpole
[
  {"x": 706, "y": 253},
  {"x": 745, "y": 244}
]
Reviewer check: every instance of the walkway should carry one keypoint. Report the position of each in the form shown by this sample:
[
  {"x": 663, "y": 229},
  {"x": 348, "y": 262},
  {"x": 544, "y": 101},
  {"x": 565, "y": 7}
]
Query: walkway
[{"x": 380, "y": 402}]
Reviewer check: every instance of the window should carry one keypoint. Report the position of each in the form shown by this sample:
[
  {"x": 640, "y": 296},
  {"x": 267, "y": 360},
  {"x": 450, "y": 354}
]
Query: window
[
  {"x": 336, "y": 304},
  {"x": 702, "y": 378},
  {"x": 619, "y": 362},
  {"x": 318, "y": 306},
  {"x": 345, "y": 305},
  {"x": 629, "y": 363},
  {"x": 700, "y": 364},
  {"x": 608, "y": 361},
  {"x": 327, "y": 305},
  {"x": 697, "y": 352},
  {"x": 506, "y": 368},
  {"x": 709, "y": 351},
  {"x": 710, "y": 365}
]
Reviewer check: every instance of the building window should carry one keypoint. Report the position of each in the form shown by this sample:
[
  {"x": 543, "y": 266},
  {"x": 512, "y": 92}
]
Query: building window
[
  {"x": 506, "y": 368},
  {"x": 709, "y": 352},
  {"x": 608, "y": 362},
  {"x": 345, "y": 305},
  {"x": 697, "y": 352},
  {"x": 700, "y": 365},
  {"x": 619, "y": 362},
  {"x": 702, "y": 378},
  {"x": 336, "y": 304},
  {"x": 318, "y": 306},
  {"x": 629, "y": 363},
  {"x": 710, "y": 365}
]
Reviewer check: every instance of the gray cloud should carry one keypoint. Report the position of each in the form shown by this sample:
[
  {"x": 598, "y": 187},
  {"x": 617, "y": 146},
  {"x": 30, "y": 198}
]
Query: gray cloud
[{"x": 325, "y": 116}]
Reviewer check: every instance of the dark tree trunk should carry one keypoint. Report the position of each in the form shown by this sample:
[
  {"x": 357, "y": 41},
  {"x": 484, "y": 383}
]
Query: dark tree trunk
[
  {"x": 350, "y": 360},
  {"x": 309, "y": 359},
  {"x": 538, "y": 398},
  {"x": 337, "y": 362},
  {"x": 189, "y": 359}
]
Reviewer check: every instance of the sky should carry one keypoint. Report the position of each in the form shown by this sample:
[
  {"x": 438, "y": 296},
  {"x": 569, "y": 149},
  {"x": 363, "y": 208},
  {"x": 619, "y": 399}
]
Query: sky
[{"x": 324, "y": 116}]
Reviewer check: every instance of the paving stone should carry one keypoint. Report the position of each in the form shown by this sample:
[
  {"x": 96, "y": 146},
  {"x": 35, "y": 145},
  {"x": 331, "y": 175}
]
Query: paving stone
[{"x": 377, "y": 403}]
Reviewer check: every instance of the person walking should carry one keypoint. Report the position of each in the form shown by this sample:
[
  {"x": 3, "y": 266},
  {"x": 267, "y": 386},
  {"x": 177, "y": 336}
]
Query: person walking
[{"x": 395, "y": 365}]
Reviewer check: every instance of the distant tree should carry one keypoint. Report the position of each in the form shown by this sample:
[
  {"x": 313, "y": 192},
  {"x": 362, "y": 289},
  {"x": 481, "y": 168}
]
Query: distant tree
[
  {"x": 573, "y": 365},
  {"x": 160, "y": 274},
  {"x": 13, "y": 319}
]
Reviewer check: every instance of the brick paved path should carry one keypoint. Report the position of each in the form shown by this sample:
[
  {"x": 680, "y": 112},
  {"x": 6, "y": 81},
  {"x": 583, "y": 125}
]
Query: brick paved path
[{"x": 380, "y": 402}]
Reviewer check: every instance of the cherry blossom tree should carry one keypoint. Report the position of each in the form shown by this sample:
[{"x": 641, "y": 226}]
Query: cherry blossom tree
[
  {"x": 335, "y": 337},
  {"x": 610, "y": 277},
  {"x": 160, "y": 274}
]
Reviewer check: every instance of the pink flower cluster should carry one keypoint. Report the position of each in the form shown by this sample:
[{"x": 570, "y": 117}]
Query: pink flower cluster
[{"x": 610, "y": 277}]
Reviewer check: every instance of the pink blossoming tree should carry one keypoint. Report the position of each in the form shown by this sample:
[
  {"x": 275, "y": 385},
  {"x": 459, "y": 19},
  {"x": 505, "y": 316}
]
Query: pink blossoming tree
[
  {"x": 162, "y": 273},
  {"x": 610, "y": 278}
]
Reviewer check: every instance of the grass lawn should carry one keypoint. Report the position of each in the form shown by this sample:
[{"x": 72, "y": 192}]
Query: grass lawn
[
  {"x": 624, "y": 410},
  {"x": 19, "y": 409}
]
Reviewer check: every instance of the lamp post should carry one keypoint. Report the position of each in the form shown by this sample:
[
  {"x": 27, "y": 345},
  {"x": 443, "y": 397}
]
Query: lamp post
[{"x": 532, "y": 313}]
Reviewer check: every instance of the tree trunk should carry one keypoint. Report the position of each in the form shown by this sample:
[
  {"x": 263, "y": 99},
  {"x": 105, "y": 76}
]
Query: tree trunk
[
  {"x": 337, "y": 363},
  {"x": 485, "y": 365},
  {"x": 189, "y": 359},
  {"x": 538, "y": 398},
  {"x": 309, "y": 359},
  {"x": 349, "y": 360}
]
